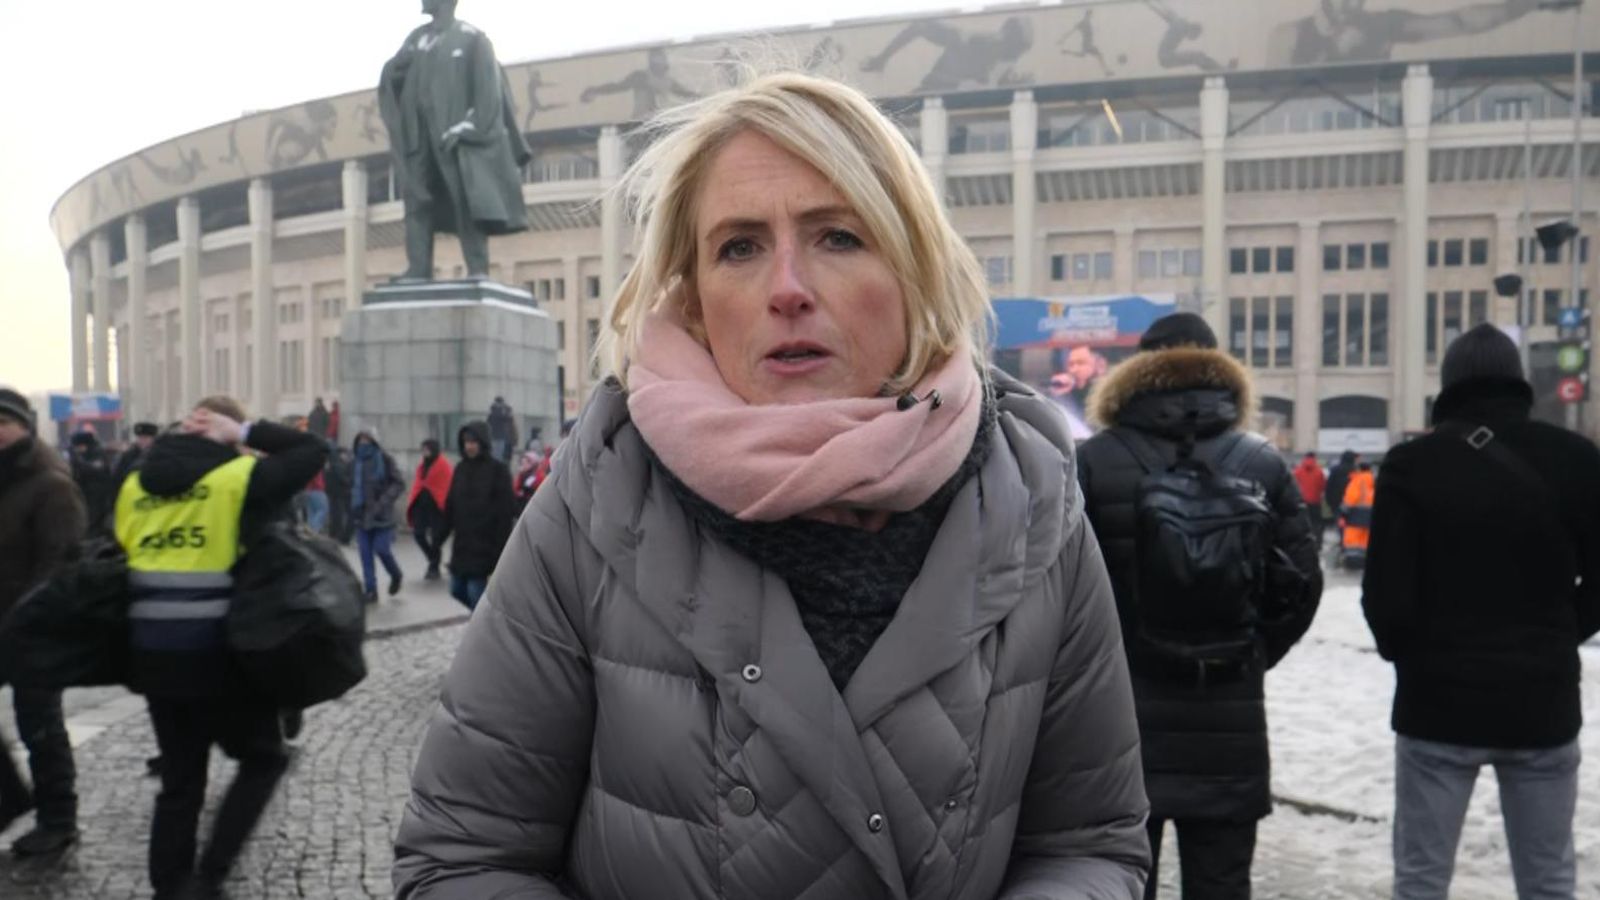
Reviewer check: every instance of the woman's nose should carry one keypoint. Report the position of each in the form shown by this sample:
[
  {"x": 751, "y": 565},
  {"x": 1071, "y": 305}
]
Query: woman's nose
[{"x": 789, "y": 293}]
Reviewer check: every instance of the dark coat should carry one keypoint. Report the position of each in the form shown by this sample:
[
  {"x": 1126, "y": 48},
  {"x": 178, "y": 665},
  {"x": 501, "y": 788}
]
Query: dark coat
[
  {"x": 1338, "y": 480},
  {"x": 1471, "y": 586},
  {"x": 93, "y": 473},
  {"x": 1205, "y": 748},
  {"x": 317, "y": 421},
  {"x": 173, "y": 465},
  {"x": 636, "y": 710},
  {"x": 480, "y": 508},
  {"x": 42, "y": 518},
  {"x": 425, "y": 90},
  {"x": 378, "y": 495}
]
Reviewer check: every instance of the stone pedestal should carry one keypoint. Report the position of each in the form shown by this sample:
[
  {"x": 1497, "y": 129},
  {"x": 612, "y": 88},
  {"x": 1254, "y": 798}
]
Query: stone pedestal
[{"x": 421, "y": 360}]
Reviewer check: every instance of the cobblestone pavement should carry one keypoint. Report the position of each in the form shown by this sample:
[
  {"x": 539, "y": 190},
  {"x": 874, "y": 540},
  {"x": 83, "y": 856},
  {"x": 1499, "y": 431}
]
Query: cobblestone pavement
[{"x": 327, "y": 835}]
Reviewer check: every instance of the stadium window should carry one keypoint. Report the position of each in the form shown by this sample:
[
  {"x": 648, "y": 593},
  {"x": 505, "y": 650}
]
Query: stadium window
[
  {"x": 1355, "y": 256},
  {"x": 1058, "y": 267},
  {"x": 1378, "y": 331},
  {"x": 1191, "y": 262},
  {"x": 1286, "y": 259},
  {"x": 1082, "y": 266},
  {"x": 1149, "y": 265},
  {"x": 1478, "y": 252},
  {"x": 1171, "y": 263},
  {"x": 1239, "y": 261},
  {"x": 1331, "y": 317},
  {"x": 1378, "y": 255},
  {"x": 1332, "y": 257},
  {"x": 1283, "y": 333},
  {"x": 1103, "y": 266},
  {"x": 592, "y": 286},
  {"x": 1453, "y": 255},
  {"x": 1238, "y": 328},
  {"x": 1552, "y": 306},
  {"x": 561, "y": 336},
  {"x": 1355, "y": 329},
  {"x": 1432, "y": 343},
  {"x": 560, "y": 288},
  {"x": 1552, "y": 255},
  {"x": 1260, "y": 259},
  {"x": 1260, "y": 332},
  {"x": 1433, "y": 254}
]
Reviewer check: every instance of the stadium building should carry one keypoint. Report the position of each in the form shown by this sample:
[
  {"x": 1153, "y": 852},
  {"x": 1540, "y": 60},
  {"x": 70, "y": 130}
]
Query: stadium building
[{"x": 1333, "y": 183}]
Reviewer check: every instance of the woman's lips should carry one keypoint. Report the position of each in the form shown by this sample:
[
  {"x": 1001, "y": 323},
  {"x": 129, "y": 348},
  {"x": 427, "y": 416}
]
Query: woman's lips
[{"x": 796, "y": 360}]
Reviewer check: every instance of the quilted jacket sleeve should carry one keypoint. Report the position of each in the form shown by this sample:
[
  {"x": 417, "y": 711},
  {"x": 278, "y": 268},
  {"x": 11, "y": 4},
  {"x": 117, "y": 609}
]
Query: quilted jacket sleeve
[
  {"x": 505, "y": 761},
  {"x": 1081, "y": 834}
]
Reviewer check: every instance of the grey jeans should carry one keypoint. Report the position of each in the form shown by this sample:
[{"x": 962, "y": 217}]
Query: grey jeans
[{"x": 1538, "y": 794}]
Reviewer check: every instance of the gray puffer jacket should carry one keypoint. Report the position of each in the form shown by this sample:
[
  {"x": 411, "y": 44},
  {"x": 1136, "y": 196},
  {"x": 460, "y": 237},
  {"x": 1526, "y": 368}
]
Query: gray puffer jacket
[{"x": 636, "y": 711}]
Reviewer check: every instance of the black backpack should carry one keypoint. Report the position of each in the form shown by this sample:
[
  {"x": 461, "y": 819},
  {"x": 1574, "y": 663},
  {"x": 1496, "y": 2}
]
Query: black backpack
[{"x": 1203, "y": 545}]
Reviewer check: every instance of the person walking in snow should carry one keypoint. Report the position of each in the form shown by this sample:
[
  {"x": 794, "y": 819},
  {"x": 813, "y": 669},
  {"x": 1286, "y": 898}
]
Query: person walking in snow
[{"x": 1483, "y": 577}]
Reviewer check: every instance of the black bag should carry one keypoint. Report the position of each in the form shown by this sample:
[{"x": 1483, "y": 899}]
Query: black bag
[
  {"x": 298, "y": 617},
  {"x": 72, "y": 629},
  {"x": 1202, "y": 547}
]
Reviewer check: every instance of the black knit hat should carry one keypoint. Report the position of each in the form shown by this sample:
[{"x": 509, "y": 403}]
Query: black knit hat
[
  {"x": 1179, "y": 330},
  {"x": 1483, "y": 352},
  {"x": 145, "y": 429},
  {"x": 15, "y": 406}
]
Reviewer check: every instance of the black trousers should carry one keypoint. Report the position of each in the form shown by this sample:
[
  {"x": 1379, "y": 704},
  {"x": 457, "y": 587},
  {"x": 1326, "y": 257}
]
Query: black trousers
[
  {"x": 428, "y": 528},
  {"x": 43, "y": 731},
  {"x": 1213, "y": 857},
  {"x": 185, "y": 731}
]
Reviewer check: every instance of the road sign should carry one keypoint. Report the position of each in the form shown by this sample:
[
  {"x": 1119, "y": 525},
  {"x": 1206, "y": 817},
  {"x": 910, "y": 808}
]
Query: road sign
[
  {"x": 1570, "y": 390},
  {"x": 1572, "y": 317},
  {"x": 1572, "y": 358}
]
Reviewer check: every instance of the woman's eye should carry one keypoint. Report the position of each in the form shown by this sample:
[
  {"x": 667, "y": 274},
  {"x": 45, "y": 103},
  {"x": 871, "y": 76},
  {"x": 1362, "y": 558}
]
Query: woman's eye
[
  {"x": 839, "y": 239},
  {"x": 737, "y": 249}
]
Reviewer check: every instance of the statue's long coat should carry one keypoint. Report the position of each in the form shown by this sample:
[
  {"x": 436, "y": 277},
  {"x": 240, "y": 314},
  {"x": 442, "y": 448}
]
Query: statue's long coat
[{"x": 434, "y": 82}]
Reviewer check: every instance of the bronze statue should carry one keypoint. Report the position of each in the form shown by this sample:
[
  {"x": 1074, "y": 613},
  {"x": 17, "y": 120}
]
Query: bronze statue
[{"x": 458, "y": 151}]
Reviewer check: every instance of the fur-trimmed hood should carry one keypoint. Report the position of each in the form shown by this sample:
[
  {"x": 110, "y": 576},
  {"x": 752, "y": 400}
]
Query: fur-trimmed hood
[{"x": 1176, "y": 391}]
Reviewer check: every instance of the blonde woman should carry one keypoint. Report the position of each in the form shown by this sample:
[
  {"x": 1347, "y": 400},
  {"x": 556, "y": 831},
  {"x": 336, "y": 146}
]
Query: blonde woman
[{"x": 808, "y": 607}]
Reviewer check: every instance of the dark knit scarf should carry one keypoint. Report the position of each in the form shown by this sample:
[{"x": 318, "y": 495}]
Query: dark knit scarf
[{"x": 847, "y": 582}]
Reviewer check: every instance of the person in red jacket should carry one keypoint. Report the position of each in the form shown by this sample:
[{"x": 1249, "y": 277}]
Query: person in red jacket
[
  {"x": 1312, "y": 481},
  {"x": 425, "y": 509}
]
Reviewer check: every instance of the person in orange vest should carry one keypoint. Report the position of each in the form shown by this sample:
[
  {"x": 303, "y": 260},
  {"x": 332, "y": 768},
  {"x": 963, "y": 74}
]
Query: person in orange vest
[{"x": 1358, "y": 496}]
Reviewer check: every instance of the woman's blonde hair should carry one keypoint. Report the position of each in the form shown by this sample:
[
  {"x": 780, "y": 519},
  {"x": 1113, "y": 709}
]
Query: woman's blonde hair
[{"x": 841, "y": 134}]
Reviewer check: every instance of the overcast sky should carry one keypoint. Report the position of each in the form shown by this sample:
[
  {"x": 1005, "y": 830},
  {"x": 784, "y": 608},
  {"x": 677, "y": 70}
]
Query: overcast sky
[{"x": 88, "y": 81}]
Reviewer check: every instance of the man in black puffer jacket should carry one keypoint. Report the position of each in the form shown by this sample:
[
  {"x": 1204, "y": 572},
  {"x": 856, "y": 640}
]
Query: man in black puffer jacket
[
  {"x": 1204, "y": 733},
  {"x": 1483, "y": 577},
  {"x": 479, "y": 511}
]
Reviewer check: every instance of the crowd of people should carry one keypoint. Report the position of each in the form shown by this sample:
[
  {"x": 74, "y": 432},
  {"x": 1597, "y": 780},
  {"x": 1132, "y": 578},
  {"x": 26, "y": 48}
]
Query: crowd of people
[{"x": 815, "y": 602}]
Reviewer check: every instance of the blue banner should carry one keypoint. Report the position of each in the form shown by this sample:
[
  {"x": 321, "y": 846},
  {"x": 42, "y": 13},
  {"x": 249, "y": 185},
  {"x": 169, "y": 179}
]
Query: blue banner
[
  {"x": 85, "y": 407},
  {"x": 1112, "y": 320}
]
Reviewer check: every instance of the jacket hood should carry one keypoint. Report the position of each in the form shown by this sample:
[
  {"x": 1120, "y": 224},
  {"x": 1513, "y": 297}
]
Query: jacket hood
[
  {"x": 1184, "y": 390},
  {"x": 479, "y": 430},
  {"x": 177, "y": 461},
  {"x": 1485, "y": 400},
  {"x": 369, "y": 433}
]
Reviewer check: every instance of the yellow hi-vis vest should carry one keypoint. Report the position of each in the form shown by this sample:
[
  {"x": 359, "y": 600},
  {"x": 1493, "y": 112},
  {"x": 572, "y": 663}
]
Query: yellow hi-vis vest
[{"x": 181, "y": 551}]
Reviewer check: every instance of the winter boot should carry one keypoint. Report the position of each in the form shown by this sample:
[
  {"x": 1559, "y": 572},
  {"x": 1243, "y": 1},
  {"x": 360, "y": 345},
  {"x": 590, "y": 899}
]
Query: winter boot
[{"x": 45, "y": 840}]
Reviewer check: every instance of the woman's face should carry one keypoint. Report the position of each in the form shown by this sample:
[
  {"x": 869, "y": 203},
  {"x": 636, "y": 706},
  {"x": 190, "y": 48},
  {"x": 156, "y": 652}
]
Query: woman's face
[{"x": 797, "y": 302}]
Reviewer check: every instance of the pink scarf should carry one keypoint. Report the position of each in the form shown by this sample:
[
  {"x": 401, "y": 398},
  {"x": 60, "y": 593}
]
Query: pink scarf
[{"x": 829, "y": 460}]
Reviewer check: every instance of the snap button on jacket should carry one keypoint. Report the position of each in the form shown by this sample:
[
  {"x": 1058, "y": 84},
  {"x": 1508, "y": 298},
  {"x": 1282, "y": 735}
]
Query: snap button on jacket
[{"x": 600, "y": 735}]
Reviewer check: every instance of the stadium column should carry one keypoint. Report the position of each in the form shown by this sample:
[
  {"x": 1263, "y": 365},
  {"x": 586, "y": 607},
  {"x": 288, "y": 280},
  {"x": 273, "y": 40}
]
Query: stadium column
[
  {"x": 263, "y": 303},
  {"x": 935, "y": 143},
  {"x": 610, "y": 153},
  {"x": 1307, "y": 337},
  {"x": 100, "y": 291},
  {"x": 1123, "y": 258},
  {"x": 1407, "y": 354},
  {"x": 1024, "y": 196},
  {"x": 353, "y": 184},
  {"x": 189, "y": 303},
  {"x": 1213, "y": 187},
  {"x": 78, "y": 276},
  {"x": 138, "y": 394}
]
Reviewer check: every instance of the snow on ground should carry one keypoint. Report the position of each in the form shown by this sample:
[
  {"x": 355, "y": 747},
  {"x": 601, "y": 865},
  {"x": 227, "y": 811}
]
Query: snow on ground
[{"x": 1328, "y": 710}]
